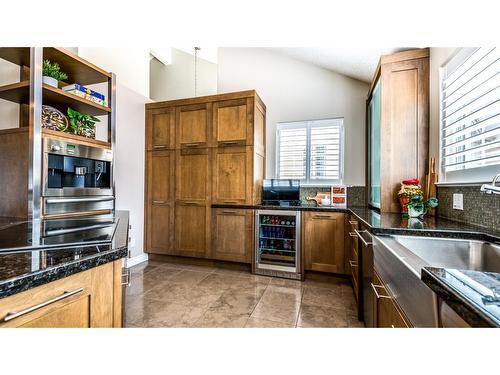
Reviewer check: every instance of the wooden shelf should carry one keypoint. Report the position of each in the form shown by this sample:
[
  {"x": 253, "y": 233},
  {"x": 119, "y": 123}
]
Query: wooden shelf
[
  {"x": 61, "y": 100},
  {"x": 75, "y": 138},
  {"x": 16, "y": 92},
  {"x": 79, "y": 70},
  {"x": 53, "y": 96}
]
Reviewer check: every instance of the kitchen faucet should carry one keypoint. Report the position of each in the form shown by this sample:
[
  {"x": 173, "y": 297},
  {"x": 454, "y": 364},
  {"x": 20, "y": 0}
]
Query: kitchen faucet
[{"x": 491, "y": 189}]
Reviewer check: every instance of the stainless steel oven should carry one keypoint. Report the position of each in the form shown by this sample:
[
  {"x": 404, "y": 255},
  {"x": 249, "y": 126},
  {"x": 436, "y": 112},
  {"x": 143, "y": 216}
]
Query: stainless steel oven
[{"x": 77, "y": 180}]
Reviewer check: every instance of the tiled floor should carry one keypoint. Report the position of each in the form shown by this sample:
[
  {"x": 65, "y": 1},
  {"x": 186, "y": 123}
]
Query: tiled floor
[{"x": 174, "y": 295}]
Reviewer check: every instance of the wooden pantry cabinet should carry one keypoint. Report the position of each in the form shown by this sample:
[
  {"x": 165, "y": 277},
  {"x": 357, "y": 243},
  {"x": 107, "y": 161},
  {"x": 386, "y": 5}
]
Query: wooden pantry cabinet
[
  {"x": 218, "y": 156},
  {"x": 323, "y": 241},
  {"x": 398, "y": 126},
  {"x": 88, "y": 299}
]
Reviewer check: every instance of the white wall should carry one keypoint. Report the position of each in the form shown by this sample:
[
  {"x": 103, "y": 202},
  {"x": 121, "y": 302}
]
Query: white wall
[
  {"x": 176, "y": 80},
  {"x": 9, "y": 111},
  {"x": 292, "y": 91},
  {"x": 131, "y": 67}
]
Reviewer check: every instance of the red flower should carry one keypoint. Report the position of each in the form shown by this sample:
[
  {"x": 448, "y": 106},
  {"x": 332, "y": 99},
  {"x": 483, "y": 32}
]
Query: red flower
[{"x": 414, "y": 181}]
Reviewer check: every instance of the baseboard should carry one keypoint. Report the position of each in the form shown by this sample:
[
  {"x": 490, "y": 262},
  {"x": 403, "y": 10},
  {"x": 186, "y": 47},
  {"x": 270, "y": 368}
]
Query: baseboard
[{"x": 136, "y": 260}]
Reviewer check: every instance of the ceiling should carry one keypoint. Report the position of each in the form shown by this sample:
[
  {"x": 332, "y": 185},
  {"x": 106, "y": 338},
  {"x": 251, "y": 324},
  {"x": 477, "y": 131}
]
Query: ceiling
[{"x": 359, "y": 63}]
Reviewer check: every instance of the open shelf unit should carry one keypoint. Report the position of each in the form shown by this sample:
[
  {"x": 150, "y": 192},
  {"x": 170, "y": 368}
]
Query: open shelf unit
[{"x": 31, "y": 94}]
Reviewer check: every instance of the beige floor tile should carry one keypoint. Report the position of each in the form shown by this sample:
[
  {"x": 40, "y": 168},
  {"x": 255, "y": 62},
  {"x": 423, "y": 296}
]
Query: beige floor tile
[
  {"x": 324, "y": 297},
  {"x": 282, "y": 296},
  {"x": 183, "y": 294},
  {"x": 235, "y": 302},
  {"x": 287, "y": 283},
  {"x": 253, "y": 287},
  {"x": 264, "y": 323},
  {"x": 154, "y": 314},
  {"x": 218, "y": 282},
  {"x": 141, "y": 269},
  {"x": 352, "y": 320},
  {"x": 312, "y": 316},
  {"x": 140, "y": 284},
  {"x": 216, "y": 319},
  {"x": 188, "y": 277},
  {"x": 276, "y": 313}
]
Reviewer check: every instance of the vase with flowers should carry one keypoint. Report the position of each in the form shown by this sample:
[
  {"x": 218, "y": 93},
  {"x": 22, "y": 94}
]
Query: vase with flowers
[
  {"x": 409, "y": 189},
  {"x": 418, "y": 206}
]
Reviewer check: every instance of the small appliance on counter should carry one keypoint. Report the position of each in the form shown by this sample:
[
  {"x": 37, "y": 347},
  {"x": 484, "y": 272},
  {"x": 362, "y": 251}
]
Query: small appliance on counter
[{"x": 281, "y": 192}]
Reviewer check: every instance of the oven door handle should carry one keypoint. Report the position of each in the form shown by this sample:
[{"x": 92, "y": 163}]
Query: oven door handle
[{"x": 77, "y": 200}]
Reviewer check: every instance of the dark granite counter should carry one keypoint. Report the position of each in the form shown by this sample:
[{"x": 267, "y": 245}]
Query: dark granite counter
[
  {"x": 33, "y": 255},
  {"x": 393, "y": 223},
  {"x": 473, "y": 295}
]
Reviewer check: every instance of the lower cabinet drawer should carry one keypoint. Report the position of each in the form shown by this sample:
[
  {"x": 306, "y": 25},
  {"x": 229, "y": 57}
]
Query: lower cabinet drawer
[{"x": 85, "y": 299}]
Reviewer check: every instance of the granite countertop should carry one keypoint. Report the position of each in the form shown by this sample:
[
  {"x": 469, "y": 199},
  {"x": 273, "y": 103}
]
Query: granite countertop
[
  {"x": 32, "y": 255},
  {"x": 394, "y": 223},
  {"x": 473, "y": 295}
]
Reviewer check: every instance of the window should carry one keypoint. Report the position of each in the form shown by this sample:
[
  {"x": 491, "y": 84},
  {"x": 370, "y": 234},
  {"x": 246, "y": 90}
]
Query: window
[
  {"x": 311, "y": 151},
  {"x": 470, "y": 115}
]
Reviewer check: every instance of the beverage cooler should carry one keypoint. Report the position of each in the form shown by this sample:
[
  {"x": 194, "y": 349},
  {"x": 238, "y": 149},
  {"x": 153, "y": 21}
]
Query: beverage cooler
[{"x": 277, "y": 243}]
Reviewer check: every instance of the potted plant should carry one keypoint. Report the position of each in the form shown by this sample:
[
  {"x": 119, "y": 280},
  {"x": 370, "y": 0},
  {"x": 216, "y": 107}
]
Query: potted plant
[
  {"x": 81, "y": 123},
  {"x": 417, "y": 207},
  {"x": 409, "y": 189},
  {"x": 51, "y": 73}
]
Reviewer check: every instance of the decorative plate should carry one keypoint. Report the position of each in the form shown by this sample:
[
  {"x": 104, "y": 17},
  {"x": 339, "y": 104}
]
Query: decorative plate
[{"x": 53, "y": 119}]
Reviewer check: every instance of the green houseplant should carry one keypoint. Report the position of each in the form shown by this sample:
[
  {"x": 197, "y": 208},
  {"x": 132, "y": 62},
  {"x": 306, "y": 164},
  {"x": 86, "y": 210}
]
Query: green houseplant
[
  {"x": 81, "y": 123},
  {"x": 51, "y": 73},
  {"x": 417, "y": 207}
]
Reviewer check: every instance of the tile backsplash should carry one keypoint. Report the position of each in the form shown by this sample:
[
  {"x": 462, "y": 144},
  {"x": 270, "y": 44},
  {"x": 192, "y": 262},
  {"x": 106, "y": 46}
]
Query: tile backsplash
[
  {"x": 479, "y": 208},
  {"x": 355, "y": 195}
]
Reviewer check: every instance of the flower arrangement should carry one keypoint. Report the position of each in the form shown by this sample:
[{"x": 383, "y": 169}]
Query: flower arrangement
[{"x": 409, "y": 189}]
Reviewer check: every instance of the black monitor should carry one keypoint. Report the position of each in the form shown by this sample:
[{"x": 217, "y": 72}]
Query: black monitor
[{"x": 281, "y": 192}]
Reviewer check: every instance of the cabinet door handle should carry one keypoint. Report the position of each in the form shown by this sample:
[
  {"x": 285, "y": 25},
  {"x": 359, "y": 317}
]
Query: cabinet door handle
[
  {"x": 229, "y": 143},
  {"x": 353, "y": 263},
  {"x": 353, "y": 222},
  {"x": 192, "y": 144},
  {"x": 234, "y": 202},
  {"x": 322, "y": 216},
  {"x": 14, "y": 315},
  {"x": 158, "y": 202},
  {"x": 374, "y": 287},
  {"x": 229, "y": 212},
  {"x": 159, "y": 146},
  {"x": 366, "y": 243},
  {"x": 353, "y": 234},
  {"x": 127, "y": 277},
  {"x": 191, "y": 203}
]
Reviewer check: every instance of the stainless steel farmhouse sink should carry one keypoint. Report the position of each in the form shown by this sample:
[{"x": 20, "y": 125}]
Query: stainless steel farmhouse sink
[{"x": 400, "y": 259}]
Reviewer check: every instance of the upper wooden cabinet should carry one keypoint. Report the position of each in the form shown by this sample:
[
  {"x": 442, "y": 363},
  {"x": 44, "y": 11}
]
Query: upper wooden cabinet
[
  {"x": 398, "y": 137},
  {"x": 160, "y": 125},
  {"x": 192, "y": 123},
  {"x": 232, "y": 121},
  {"x": 323, "y": 241}
]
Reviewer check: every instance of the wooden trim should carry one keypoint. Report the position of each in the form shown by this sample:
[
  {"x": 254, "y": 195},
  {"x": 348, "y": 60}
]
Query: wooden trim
[
  {"x": 205, "y": 99},
  {"x": 68, "y": 137},
  {"x": 57, "y": 96},
  {"x": 405, "y": 55},
  {"x": 77, "y": 214},
  {"x": 117, "y": 294}
]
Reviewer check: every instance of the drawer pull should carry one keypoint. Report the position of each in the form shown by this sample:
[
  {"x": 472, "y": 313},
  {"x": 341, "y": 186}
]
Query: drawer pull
[
  {"x": 366, "y": 243},
  {"x": 229, "y": 212},
  {"x": 190, "y": 203},
  {"x": 353, "y": 264},
  {"x": 126, "y": 275},
  {"x": 13, "y": 315},
  {"x": 158, "y": 202},
  {"x": 374, "y": 287},
  {"x": 159, "y": 146},
  {"x": 192, "y": 144},
  {"x": 353, "y": 222},
  {"x": 322, "y": 216},
  {"x": 353, "y": 234},
  {"x": 229, "y": 143}
]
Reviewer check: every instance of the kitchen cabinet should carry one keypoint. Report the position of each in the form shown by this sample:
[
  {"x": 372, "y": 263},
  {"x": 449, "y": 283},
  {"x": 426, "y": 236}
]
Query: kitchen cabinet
[
  {"x": 159, "y": 213},
  {"x": 352, "y": 264},
  {"x": 398, "y": 125},
  {"x": 160, "y": 126},
  {"x": 192, "y": 123},
  {"x": 233, "y": 234},
  {"x": 192, "y": 229},
  {"x": 90, "y": 298},
  {"x": 218, "y": 156},
  {"x": 323, "y": 241},
  {"x": 387, "y": 312}
]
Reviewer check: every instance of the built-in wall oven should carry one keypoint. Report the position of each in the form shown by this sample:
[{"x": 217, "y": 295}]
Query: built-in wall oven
[
  {"x": 77, "y": 180},
  {"x": 277, "y": 244}
]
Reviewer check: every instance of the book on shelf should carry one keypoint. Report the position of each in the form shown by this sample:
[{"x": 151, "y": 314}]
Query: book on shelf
[{"x": 86, "y": 93}]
